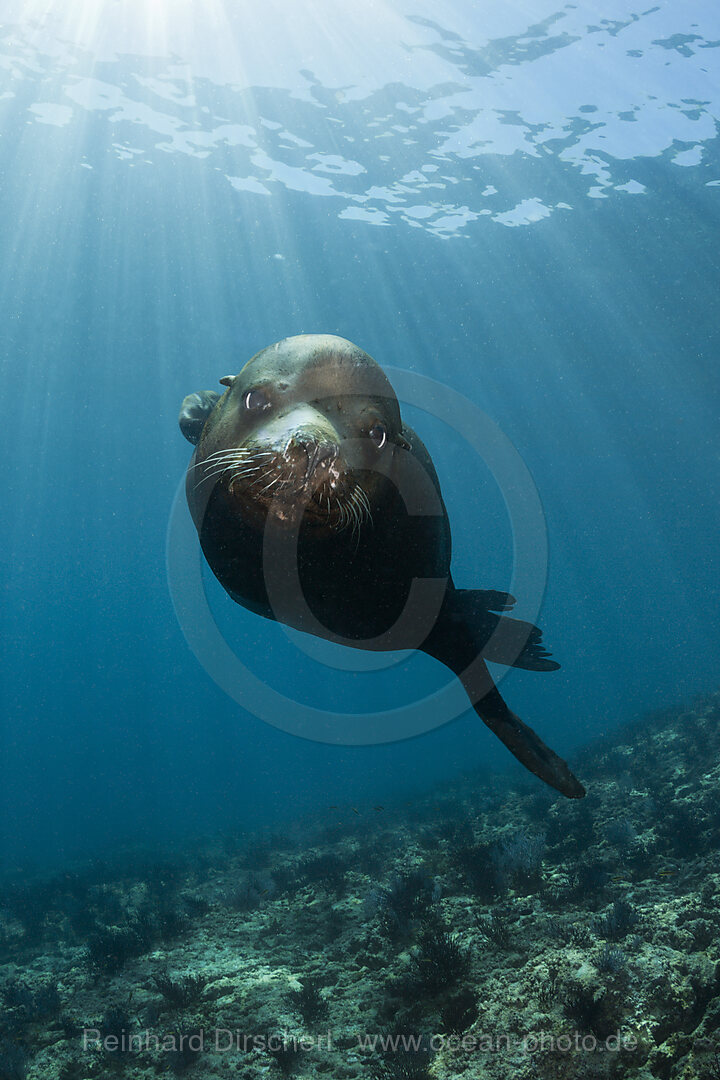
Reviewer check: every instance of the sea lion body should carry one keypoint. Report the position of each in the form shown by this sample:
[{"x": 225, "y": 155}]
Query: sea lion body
[{"x": 315, "y": 505}]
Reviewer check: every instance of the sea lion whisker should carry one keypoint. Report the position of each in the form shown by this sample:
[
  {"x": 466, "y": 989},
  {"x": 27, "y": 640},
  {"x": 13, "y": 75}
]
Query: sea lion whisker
[
  {"x": 259, "y": 467},
  {"x": 219, "y": 471},
  {"x": 229, "y": 463},
  {"x": 238, "y": 456},
  {"x": 258, "y": 479},
  {"x": 226, "y": 460},
  {"x": 222, "y": 463},
  {"x": 204, "y": 464},
  {"x": 211, "y": 457},
  {"x": 221, "y": 468},
  {"x": 228, "y": 450},
  {"x": 249, "y": 470},
  {"x": 354, "y": 516},
  {"x": 246, "y": 467},
  {"x": 201, "y": 481},
  {"x": 366, "y": 504},
  {"x": 248, "y": 474},
  {"x": 210, "y": 476},
  {"x": 363, "y": 512},
  {"x": 222, "y": 455}
]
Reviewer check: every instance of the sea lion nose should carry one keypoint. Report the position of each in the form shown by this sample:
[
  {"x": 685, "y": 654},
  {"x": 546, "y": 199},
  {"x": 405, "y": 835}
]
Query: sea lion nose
[
  {"x": 319, "y": 455},
  {"x": 306, "y": 452}
]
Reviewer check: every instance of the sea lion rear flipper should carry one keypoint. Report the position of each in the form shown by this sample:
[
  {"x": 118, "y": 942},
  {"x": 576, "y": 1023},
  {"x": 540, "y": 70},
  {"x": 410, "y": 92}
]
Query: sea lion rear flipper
[
  {"x": 526, "y": 745},
  {"x": 455, "y": 644},
  {"x": 501, "y": 639},
  {"x": 489, "y": 599}
]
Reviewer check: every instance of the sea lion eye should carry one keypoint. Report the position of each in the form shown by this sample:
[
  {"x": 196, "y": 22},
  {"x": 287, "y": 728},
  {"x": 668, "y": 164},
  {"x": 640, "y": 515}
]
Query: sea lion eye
[
  {"x": 378, "y": 434},
  {"x": 255, "y": 400}
]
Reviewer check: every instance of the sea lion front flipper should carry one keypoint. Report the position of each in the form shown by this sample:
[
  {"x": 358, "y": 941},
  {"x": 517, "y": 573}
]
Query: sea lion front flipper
[{"x": 194, "y": 411}]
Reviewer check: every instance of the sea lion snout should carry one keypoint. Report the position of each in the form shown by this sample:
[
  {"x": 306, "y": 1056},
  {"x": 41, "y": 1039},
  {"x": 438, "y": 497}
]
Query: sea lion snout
[
  {"x": 305, "y": 445},
  {"x": 321, "y": 456},
  {"x": 312, "y": 457}
]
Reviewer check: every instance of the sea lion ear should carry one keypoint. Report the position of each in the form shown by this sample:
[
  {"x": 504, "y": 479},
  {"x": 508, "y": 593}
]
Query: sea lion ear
[
  {"x": 227, "y": 380},
  {"x": 194, "y": 411}
]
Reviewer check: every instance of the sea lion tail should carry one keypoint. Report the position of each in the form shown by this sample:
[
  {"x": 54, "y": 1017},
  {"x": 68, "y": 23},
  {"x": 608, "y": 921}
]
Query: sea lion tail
[{"x": 456, "y": 645}]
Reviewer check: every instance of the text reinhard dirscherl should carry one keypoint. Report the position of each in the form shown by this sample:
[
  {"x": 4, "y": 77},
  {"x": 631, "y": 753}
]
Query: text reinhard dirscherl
[{"x": 225, "y": 1040}]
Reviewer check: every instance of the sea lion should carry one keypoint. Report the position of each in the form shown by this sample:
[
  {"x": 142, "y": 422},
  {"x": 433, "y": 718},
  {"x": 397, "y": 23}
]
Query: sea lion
[{"x": 317, "y": 506}]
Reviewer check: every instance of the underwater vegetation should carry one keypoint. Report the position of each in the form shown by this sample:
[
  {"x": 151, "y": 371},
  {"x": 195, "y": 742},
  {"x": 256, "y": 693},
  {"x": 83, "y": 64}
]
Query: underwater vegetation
[
  {"x": 391, "y": 945},
  {"x": 309, "y": 1001}
]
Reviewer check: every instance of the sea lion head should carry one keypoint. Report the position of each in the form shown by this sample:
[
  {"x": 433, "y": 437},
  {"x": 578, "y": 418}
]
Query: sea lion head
[{"x": 308, "y": 427}]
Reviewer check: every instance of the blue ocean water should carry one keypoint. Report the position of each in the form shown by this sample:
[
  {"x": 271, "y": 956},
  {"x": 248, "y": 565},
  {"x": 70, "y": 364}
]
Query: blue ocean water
[{"x": 521, "y": 203}]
